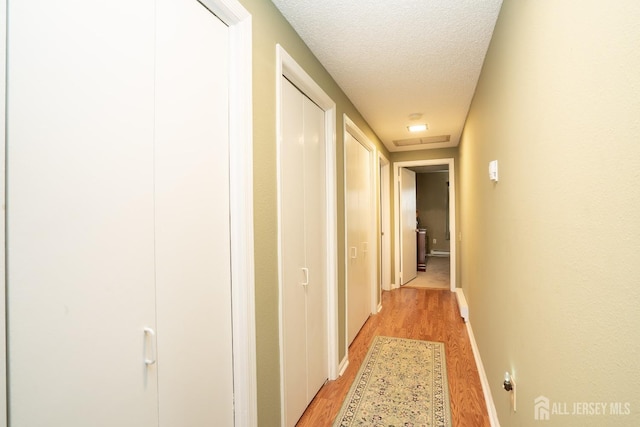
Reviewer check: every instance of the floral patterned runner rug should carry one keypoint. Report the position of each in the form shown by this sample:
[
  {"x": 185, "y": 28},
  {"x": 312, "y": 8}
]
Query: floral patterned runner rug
[{"x": 401, "y": 382}]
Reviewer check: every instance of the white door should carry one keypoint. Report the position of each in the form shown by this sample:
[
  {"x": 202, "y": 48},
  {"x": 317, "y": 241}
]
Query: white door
[
  {"x": 192, "y": 242},
  {"x": 316, "y": 242},
  {"x": 293, "y": 254},
  {"x": 118, "y": 194},
  {"x": 408, "y": 225},
  {"x": 303, "y": 246},
  {"x": 80, "y": 213},
  {"x": 358, "y": 212},
  {"x": 385, "y": 234}
]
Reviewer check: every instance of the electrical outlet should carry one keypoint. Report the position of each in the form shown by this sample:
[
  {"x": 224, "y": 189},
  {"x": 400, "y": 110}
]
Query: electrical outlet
[
  {"x": 435, "y": 241},
  {"x": 510, "y": 386}
]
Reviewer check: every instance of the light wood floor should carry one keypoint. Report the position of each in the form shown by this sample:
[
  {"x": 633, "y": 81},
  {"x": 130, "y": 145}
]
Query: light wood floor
[
  {"x": 436, "y": 275},
  {"x": 418, "y": 314}
]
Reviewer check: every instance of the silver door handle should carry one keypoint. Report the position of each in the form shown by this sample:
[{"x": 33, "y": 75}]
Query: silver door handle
[
  {"x": 305, "y": 271},
  {"x": 151, "y": 334}
]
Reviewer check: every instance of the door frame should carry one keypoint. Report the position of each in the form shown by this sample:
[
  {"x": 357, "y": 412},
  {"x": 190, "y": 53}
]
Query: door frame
[
  {"x": 233, "y": 14},
  {"x": 351, "y": 128},
  {"x": 238, "y": 19},
  {"x": 384, "y": 178},
  {"x": 287, "y": 67},
  {"x": 452, "y": 215}
]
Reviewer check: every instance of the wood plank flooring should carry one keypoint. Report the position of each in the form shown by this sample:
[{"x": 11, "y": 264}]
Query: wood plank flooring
[{"x": 425, "y": 314}]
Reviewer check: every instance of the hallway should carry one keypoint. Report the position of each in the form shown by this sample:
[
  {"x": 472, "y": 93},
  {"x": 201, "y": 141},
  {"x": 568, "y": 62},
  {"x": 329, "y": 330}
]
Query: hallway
[{"x": 418, "y": 314}]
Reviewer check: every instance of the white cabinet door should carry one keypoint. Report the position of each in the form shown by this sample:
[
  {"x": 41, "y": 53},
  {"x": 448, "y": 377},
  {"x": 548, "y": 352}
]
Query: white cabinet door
[
  {"x": 359, "y": 211},
  {"x": 354, "y": 266},
  {"x": 79, "y": 213},
  {"x": 316, "y": 242},
  {"x": 118, "y": 215},
  {"x": 293, "y": 255},
  {"x": 366, "y": 208},
  {"x": 408, "y": 225},
  {"x": 195, "y": 369},
  {"x": 303, "y": 243}
]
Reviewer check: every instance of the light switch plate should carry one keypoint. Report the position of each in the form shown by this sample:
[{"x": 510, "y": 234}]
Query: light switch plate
[{"x": 493, "y": 170}]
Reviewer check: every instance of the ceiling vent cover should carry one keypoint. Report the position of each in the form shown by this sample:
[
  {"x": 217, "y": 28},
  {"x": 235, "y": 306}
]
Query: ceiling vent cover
[{"x": 421, "y": 141}]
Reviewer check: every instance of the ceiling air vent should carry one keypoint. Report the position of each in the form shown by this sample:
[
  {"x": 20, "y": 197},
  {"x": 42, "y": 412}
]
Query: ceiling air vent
[{"x": 421, "y": 141}]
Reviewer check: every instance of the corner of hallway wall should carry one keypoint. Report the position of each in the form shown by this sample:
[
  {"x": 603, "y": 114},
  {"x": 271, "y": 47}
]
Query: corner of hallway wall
[
  {"x": 549, "y": 253},
  {"x": 269, "y": 29}
]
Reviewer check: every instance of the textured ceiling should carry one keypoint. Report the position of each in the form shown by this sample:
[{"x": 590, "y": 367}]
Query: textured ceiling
[{"x": 396, "y": 58}]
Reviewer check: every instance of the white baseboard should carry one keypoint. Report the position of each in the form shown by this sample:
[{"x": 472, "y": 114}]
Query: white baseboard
[
  {"x": 343, "y": 365},
  {"x": 491, "y": 407},
  {"x": 379, "y": 307},
  {"x": 394, "y": 286},
  {"x": 435, "y": 252},
  {"x": 462, "y": 304}
]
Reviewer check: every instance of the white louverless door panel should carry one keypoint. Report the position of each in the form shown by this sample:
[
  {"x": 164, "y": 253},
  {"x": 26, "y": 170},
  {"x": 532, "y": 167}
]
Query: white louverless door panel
[
  {"x": 315, "y": 238},
  {"x": 354, "y": 271},
  {"x": 366, "y": 238},
  {"x": 303, "y": 244},
  {"x": 293, "y": 253},
  {"x": 195, "y": 370},
  {"x": 358, "y": 223},
  {"x": 79, "y": 214},
  {"x": 408, "y": 225}
]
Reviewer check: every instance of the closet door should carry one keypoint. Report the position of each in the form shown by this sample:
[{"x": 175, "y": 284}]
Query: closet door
[
  {"x": 293, "y": 254},
  {"x": 366, "y": 208},
  {"x": 195, "y": 369},
  {"x": 315, "y": 243},
  {"x": 354, "y": 266},
  {"x": 303, "y": 243},
  {"x": 79, "y": 214},
  {"x": 359, "y": 265}
]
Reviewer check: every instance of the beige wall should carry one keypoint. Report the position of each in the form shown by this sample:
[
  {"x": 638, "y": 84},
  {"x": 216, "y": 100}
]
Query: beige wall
[
  {"x": 431, "y": 202},
  {"x": 551, "y": 252},
  {"x": 269, "y": 29}
]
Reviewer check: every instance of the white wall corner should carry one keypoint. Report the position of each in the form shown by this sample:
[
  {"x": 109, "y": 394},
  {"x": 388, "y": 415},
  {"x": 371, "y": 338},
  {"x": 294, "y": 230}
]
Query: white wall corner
[
  {"x": 486, "y": 390},
  {"x": 462, "y": 304}
]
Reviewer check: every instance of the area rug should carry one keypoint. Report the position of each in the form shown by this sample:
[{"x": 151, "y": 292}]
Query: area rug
[{"x": 401, "y": 382}]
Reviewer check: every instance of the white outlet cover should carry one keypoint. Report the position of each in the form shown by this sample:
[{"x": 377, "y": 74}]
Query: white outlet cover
[{"x": 493, "y": 170}]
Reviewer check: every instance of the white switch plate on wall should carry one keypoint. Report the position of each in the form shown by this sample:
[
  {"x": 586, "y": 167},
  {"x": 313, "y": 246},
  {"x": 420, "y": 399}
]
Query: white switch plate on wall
[{"x": 493, "y": 170}]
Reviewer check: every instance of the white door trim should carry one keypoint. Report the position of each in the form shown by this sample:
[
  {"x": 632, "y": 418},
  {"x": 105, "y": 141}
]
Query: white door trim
[
  {"x": 233, "y": 14},
  {"x": 3, "y": 243},
  {"x": 350, "y": 127},
  {"x": 287, "y": 67},
  {"x": 452, "y": 213}
]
